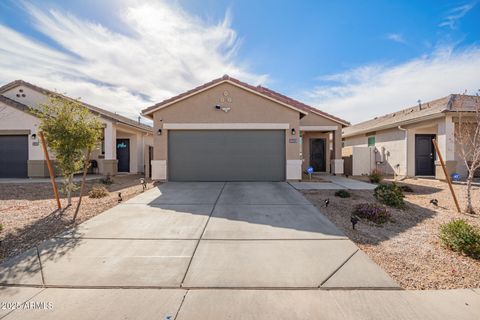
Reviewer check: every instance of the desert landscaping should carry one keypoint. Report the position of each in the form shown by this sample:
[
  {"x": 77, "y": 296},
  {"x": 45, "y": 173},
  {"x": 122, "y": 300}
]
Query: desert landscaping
[
  {"x": 30, "y": 215},
  {"x": 408, "y": 247}
]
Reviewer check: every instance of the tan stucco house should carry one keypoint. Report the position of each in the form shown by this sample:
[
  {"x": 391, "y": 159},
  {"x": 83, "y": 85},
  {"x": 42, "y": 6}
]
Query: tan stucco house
[
  {"x": 228, "y": 130},
  {"x": 125, "y": 146},
  {"x": 400, "y": 143}
]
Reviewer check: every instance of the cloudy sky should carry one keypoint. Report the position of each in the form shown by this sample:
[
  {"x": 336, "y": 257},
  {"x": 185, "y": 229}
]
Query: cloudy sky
[{"x": 355, "y": 59}]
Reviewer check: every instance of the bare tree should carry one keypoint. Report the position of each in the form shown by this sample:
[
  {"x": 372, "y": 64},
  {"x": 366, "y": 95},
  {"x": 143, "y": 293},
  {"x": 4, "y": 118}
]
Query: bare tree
[{"x": 467, "y": 136}]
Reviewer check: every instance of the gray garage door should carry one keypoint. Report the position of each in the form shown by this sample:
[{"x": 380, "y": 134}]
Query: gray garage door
[
  {"x": 226, "y": 155},
  {"x": 13, "y": 156}
]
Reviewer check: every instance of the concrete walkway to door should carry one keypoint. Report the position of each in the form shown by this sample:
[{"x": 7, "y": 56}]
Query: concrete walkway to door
[{"x": 214, "y": 251}]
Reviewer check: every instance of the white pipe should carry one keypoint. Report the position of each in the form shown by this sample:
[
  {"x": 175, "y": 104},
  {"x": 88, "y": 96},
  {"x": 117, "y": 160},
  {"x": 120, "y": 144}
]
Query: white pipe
[{"x": 406, "y": 148}]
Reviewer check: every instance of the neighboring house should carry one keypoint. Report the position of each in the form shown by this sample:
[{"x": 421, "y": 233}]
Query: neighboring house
[
  {"x": 400, "y": 143},
  {"x": 228, "y": 130},
  {"x": 125, "y": 145}
]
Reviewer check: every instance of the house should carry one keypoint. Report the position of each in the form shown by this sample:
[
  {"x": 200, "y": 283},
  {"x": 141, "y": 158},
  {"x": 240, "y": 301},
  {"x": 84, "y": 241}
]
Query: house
[
  {"x": 400, "y": 143},
  {"x": 125, "y": 144},
  {"x": 228, "y": 130}
]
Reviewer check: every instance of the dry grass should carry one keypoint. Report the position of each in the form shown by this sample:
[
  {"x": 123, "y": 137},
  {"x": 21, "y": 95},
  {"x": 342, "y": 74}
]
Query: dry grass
[
  {"x": 409, "y": 248},
  {"x": 29, "y": 215}
]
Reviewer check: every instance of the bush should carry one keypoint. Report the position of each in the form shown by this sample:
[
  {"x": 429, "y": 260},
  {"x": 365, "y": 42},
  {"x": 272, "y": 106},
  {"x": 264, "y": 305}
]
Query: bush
[
  {"x": 342, "y": 194},
  {"x": 98, "y": 192},
  {"x": 376, "y": 176},
  {"x": 460, "y": 236},
  {"x": 390, "y": 194},
  {"x": 372, "y": 211}
]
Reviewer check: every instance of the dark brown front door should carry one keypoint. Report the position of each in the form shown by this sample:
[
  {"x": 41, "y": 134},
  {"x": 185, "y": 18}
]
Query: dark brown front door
[
  {"x": 424, "y": 155},
  {"x": 317, "y": 155}
]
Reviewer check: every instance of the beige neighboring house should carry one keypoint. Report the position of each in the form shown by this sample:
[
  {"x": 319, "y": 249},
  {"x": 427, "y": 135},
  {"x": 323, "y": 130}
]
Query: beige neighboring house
[
  {"x": 400, "y": 143},
  {"x": 125, "y": 146},
  {"x": 228, "y": 130}
]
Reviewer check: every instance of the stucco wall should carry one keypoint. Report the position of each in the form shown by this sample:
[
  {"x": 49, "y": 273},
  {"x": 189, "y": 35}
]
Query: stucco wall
[
  {"x": 312, "y": 119},
  {"x": 32, "y": 98},
  {"x": 398, "y": 158},
  {"x": 14, "y": 119},
  {"x": 246, "y": 107}
]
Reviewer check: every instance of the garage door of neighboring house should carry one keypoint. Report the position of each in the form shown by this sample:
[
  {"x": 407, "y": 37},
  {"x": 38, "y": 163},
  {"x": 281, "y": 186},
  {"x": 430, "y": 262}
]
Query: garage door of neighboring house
[
  {"x": 13, "y": 156},
  {"x": 226, "y": 155}
]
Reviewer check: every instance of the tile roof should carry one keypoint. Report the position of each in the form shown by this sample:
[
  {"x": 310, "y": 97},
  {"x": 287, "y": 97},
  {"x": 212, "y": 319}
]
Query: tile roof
[
  {"x": 423, "y": 111},
  {"x": 97, "y": 110},
  {"x": 259, "y": 89}
]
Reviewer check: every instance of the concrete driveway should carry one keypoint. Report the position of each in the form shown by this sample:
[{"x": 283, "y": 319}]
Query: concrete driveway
[{"x": 202, "y": 235}]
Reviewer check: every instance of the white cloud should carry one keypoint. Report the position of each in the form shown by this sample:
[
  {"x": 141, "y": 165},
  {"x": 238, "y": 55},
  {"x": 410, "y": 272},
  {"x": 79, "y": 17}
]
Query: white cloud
[
  {"x": 455, "y": 14},
  {"x": 163, "y": 51},
  {"x": 363, "y": 93},
  {"x": 396, "y": 37}
]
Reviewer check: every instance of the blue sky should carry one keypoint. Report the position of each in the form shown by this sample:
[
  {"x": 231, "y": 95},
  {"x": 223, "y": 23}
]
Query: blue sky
[{"x": 355, "y": 59}]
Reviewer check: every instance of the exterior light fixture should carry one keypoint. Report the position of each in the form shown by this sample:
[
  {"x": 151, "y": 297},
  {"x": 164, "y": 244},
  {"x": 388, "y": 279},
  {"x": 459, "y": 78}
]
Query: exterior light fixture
[
  {"x": 34, "y": 136},
  {"x": 159, "y": 132},
  {"x": 293, "y": 131},
  {"x": 218, "y": 107}
]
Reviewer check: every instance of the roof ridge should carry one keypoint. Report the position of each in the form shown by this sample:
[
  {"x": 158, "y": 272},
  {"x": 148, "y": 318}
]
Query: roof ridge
[{"x": 412, "y": 108}]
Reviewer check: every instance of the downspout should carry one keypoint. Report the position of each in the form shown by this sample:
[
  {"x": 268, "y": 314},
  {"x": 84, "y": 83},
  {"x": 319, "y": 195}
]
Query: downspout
[{"x": 406, "y": 152}]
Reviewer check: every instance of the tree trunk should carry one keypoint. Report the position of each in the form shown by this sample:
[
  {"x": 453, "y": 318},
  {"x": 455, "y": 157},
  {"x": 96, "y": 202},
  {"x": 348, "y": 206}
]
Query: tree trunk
[
  {"x": 69, "y": 189},
  {"x": 469, "y": 208},
  {"x": 85, "y": 169}
]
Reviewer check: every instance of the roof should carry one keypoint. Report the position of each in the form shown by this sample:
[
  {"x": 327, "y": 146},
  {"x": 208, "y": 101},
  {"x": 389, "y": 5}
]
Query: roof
[
  {"x": 265, "y": 92},
  {"x": 421, "y": 112},
  {"x": 15, "y": 104},
  {"x": 102, "y": 112}
]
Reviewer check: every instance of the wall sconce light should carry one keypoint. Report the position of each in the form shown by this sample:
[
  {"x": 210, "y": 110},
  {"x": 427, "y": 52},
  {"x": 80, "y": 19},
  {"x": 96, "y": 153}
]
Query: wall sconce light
[
  {"x": 293, "y": 131},
  {"x": 34, "y": 136},
  {"x": 159, "y": 132}
]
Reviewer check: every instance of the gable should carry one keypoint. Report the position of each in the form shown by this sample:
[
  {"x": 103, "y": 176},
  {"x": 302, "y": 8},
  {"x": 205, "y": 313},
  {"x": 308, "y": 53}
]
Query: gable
[
  {"x": 259, "y": 91},
  {"x": 244, "y": 105}
]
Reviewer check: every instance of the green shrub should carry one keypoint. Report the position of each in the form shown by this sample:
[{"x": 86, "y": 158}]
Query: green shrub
[
  {"x": 98, "y": 192},
  {"x": 460, "y": 236},
  {"x": 372, "y": 211},
  {"x": 376, "y": 176},
  {"x": 342, "y": 193},
  {"x": 390, "y": 194}
]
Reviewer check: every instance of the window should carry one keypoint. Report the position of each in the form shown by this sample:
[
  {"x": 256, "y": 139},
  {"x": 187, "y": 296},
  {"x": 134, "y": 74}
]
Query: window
[{"x": 371, "y": 141}]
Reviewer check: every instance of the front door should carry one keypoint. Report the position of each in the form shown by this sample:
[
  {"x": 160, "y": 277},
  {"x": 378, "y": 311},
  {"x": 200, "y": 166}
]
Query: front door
[
  {"x": 123, "y": 155},
  {"x": 424, "y": 155},
  {"x": 317, "y": 155}
]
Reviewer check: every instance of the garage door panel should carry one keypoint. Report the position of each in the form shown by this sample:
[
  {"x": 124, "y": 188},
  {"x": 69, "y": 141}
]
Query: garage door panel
[
  {"x": 13, "y": 156},
  {"x": 226, "y": 155}
]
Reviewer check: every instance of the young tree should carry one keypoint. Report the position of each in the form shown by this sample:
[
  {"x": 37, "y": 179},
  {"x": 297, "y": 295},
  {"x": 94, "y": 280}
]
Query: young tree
[
  {"x": 467, "y": 136},
  {"x": 72, "y": 132}
]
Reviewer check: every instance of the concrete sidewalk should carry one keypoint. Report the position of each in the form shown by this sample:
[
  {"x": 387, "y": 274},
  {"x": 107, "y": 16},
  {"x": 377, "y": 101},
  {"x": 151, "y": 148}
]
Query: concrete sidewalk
[{"x": 160, "y": 304}]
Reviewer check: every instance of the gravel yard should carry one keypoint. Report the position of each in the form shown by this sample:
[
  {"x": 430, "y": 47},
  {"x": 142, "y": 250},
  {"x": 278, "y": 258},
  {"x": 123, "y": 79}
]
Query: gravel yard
[
  {"x": 409, "y": 248},
  {"x": 28, "y": 211}
]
